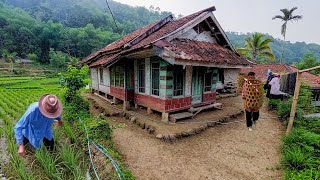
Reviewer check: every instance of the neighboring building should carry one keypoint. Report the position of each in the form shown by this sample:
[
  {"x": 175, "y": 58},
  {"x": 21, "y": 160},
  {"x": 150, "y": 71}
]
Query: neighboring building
[
  {"x": 23, "y": 61},
  {"x": 312, "y": 80},
  {"x": 167, "y": 66}
]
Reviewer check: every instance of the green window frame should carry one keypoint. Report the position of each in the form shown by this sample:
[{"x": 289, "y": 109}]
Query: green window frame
[
  {"x": 207, "y": 81},
  {"x": 178, "y": 80},
  {"x": 101, "y": 75},
  {"x": 155, "y": 78},
  {"x": 117, "y": 76},
  {"x": 141, "y": 77}
]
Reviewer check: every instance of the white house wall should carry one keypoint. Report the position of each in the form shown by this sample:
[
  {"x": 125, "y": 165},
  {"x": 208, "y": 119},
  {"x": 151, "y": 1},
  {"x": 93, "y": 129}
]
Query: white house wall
[
  {"x": 94, "y": 78},
  {"x": 231, "y": 75},
  {"x": 204, "y": 36},
  {"x": 103, "y": 85}
]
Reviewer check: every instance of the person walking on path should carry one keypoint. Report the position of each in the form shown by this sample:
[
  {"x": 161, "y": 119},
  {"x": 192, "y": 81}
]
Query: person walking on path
[
  {"x": 35, "y": 126},
  {"x": 252, "y": 114}
]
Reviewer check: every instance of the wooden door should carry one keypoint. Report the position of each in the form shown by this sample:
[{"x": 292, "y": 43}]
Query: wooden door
[{"x": 197, "y": 85}]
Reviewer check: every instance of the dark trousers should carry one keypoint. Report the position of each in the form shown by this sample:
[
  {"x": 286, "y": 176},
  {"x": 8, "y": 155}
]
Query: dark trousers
[
  {"x": 48, "y": 143},
  {"x": 251, "y": 117}
]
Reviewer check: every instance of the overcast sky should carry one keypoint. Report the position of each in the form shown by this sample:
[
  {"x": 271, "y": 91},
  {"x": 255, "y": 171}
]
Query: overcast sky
[{"x": 250, "y": 15}]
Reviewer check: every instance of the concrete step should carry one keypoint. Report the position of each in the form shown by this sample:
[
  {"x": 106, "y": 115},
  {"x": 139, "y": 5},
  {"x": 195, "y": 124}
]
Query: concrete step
[{"x": 178, "y": 116}]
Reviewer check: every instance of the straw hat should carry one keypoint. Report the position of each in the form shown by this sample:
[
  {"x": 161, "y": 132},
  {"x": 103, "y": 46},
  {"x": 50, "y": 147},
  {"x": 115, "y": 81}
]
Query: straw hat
[{"x": 50, "y": 106}]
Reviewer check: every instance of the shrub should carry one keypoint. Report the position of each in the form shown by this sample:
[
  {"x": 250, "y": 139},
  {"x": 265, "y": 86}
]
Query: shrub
[
  {"x": 305, "y": 139},
  {"x": 99, "y": 130},
  {"x": 273, "y": 104},
  {"x": 306, "y": 174},
  {"x": 312, "y": 124},
  {"x": 296, "y": 158}
]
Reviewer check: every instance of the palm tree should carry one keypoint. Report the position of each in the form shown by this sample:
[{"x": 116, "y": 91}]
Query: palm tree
[
  {"x": 257, "y": 46},
  {"x": 287, "y": 16}
]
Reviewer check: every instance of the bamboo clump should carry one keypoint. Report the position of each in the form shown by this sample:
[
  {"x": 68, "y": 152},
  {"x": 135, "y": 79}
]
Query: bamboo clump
[{"x": 253, "y": 94}]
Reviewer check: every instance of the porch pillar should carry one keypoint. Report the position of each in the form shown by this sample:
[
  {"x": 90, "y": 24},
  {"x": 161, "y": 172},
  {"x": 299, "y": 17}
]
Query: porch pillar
[
  {"x": 147, "y": 74},
  {"x": 165, "y": 117},
  {"x": 188, "y": 81}
]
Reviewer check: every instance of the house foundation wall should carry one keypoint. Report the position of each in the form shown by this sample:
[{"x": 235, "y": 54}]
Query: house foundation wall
[{"x": 209, "y": 97}]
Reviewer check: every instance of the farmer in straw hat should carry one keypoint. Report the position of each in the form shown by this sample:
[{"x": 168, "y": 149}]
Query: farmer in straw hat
[
  {"x": 35, "y": 126},
  {"x": 252, "y": 115}
]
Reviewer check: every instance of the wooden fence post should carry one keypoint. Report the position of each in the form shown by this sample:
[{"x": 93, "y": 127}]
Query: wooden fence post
[{"x": 294, "y": 102}]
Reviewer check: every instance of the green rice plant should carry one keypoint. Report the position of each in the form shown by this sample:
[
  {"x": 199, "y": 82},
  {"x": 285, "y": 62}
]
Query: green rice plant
[
  {"x": 296, "y": 158},
  {"x": 49, "y": 163},
  {"x": 70, "y": 159},
  {"x": 68, "y": 130}
]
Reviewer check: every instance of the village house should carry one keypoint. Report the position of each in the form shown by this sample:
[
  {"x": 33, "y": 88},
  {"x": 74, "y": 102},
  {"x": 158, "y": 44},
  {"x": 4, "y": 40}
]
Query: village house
[
  {"x": 310, "y": 79},
  {"x": 168, "y": 66}
]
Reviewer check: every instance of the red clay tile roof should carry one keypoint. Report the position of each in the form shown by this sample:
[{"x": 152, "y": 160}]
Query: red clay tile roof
[
  {"x": 261, "y": 70},
  {"x": 105, "y": 59},
  {"x": 220, "y": 54},
  {"x": 185, "y": 49}
]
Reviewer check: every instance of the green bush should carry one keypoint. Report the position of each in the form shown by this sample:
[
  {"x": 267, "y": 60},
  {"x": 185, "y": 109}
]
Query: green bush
[
  {"x": 296, "y": 158},
  {"x": 99, "y": 130},
  {"x": 311, "y": 124},
  {"x": 306, "y": 174},
  {"x": 303, "y": 138},
  {"x": 273, "y": 104}
]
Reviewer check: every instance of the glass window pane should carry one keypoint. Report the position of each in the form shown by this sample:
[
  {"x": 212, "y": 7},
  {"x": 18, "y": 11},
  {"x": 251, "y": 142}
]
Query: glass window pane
[
  {"x": 178, "y": 80},
  {"x": 155, "y": 78}
]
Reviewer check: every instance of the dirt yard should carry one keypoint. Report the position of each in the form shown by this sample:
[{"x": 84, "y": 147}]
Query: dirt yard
[{"x": 227, "y": 151}]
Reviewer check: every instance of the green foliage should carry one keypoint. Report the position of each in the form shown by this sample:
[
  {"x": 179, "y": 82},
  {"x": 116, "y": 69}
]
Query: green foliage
[
  {"x": 99, "y": 130},
  {"x": 57, "y": 59},
  {"x": 273, "y": 104},
  {"x": 309, "y": 60},
  {"x": 293, "y": 52},
  {"x": 256, "y": 47},
  {"x": 312, "y": 124},
  {"x": 49, "y": 164},
  {"x": 306, "y": 174},
  {"x": 296, "y": 158},
  {"x": 75, "y": 78},
  {"x": 33, "y": 57}
]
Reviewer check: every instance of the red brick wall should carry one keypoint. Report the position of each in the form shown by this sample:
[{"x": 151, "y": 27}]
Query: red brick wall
[
  {"x": 117, "y": 92},
  {"x": 130, "y": 95},
  {"x": 209, "y": 97},
  {"x": 178, "y": 104},
  {"x": 163, "y": 105}
]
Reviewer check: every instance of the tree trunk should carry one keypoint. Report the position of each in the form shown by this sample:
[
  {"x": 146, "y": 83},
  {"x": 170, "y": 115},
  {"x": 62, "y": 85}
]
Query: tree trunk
[{"x": 284, "y": 41}]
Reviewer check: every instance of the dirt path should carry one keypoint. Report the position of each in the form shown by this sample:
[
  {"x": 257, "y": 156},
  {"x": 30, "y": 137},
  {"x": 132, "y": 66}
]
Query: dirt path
[{"x": 222, "y": 152}]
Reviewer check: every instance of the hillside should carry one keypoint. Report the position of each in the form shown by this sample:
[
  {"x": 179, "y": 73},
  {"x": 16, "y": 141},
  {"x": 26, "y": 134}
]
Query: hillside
[
  {"x": 79, "y": 27},
  {"x": 293, "y": 52}
]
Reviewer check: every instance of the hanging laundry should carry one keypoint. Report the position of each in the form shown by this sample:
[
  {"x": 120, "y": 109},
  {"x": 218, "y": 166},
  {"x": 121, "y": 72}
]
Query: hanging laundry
[
  {"x": 288, "y": 82},
  {"x": 275, "y": 92},
  {"x": 292, "y": 82}
]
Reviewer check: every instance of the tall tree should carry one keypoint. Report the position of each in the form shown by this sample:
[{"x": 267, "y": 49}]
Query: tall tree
[
  {"x": 257, "y": 47},
  {"x": 287, "y": 16}
]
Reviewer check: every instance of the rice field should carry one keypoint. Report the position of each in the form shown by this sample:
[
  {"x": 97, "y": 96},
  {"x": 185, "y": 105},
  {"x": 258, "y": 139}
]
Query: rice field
[{"x": 66, "y": 162}]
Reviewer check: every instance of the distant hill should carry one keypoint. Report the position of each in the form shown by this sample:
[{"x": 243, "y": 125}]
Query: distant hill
[
  {"x": 79, "y": 27},
  {"x": 293, "y": 52}
]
